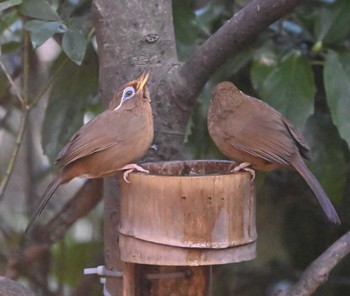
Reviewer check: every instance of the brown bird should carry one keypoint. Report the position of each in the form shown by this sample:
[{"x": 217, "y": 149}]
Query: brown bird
[
  {"x": 109, "y": 143},
  {"x": 252, "y": 133}
]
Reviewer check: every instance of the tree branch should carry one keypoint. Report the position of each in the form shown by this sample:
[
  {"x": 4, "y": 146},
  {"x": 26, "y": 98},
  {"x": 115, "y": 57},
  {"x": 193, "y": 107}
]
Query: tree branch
[
  {"x": 317, "y": 272},
  {"x": 12, "y": 83},
  {"x": 88, "y": 196},
  {"x": 15, "y": 151},
  {"x": 45, "y": 236},
  {"x": 236, "y": 33},
  {"x": 25, "y": 111}
]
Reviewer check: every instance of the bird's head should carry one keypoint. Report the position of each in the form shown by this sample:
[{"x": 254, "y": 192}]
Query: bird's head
[
  {"x": 225, "y": 88},
  {"x": 226, "y": 95},
  {"x": 131, "y": 93}
]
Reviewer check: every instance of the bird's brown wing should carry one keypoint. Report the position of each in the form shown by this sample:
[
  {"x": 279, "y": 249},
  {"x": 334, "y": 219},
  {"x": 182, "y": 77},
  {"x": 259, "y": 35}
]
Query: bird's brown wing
[
  {"x": 298, "y": 138},
  {"x": 97, "y": 135},
  {"x": 260, "y": 130}
]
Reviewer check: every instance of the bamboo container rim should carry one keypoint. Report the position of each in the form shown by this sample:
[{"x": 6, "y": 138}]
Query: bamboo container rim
[{"x": 189, "y": 168}]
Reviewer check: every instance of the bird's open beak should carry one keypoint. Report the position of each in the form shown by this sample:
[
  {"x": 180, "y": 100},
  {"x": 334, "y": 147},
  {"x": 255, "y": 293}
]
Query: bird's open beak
[{"x": 142, "y": 80}]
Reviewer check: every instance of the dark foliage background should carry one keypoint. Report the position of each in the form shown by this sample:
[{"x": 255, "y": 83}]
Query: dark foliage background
[{"x": 300, "y": 65}]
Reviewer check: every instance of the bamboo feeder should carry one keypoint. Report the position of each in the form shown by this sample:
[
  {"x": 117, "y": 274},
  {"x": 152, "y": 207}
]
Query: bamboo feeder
[{"x": 187, "y": 213}]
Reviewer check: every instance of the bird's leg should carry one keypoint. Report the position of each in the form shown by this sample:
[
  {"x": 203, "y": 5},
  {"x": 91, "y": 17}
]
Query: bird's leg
[
  {"x": 130, "y": 168},
  {"x": 245, "y": 167}
]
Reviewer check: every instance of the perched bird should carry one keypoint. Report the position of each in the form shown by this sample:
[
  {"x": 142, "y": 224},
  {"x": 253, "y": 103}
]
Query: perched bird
[
  {"x": 256, "y": 136},
  {"x": 109, "y": 143}
]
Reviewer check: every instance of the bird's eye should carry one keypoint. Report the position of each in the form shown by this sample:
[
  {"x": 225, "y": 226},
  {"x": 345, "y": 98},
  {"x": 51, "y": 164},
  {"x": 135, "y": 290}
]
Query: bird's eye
[{"x": 128, "y": 92}]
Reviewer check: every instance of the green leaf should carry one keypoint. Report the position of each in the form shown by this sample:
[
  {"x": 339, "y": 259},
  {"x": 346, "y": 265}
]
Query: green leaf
[
  {"x": 39, "y": 9},
  {"x": 8, "y": 19},
  {"x": 40, "y": 31},
  {"x": 74, "y": 45},
  {"x": 288, "y": 86},
  {"x": 333, "y": 22},
  {"x": 328, "y": 161},
  {"x": 10, "y": 3},
  {"x": 264, "y": 62},
  {"x": 74, "y": 87},
  {"x": 337, "y": 85}
]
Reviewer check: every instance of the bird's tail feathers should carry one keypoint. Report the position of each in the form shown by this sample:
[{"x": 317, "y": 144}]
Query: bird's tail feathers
[
  {"x": 317, "y": 189},
  {"x": 43, "y": 202}
]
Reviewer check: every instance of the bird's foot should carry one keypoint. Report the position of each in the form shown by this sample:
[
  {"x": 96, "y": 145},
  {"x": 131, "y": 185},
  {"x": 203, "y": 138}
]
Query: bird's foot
[
  {"x": 245, "y": 167},
  {"x": 130, "y": 168}
]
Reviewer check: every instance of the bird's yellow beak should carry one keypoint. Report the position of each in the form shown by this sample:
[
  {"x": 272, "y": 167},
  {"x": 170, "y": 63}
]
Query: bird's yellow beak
[{"x": 142, "y": 80}]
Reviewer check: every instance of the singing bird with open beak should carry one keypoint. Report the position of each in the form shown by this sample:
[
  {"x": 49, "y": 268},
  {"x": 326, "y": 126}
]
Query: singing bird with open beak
[
  {"x": 109, "y": 143},
  {"x": 256, "y": 136}
]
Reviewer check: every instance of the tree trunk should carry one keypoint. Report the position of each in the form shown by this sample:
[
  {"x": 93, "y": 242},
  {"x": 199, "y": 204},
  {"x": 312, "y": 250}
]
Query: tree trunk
[{"x": 131, "y": 36}]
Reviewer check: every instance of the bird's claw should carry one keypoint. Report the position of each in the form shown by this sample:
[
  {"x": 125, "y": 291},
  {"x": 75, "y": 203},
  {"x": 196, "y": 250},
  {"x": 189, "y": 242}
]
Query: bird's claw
[
  {"x": 130, "y": 168},
  {"x": 245, "y": 167}
]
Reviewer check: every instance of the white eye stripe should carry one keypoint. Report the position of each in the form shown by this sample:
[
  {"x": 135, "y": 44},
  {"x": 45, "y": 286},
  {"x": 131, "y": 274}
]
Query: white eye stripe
[{"x": 128, "y": 93}]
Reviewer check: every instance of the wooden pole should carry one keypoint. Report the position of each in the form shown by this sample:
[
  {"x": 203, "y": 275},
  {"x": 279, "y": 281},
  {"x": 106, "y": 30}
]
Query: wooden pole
[
  {"x": 114, "y": 285},
  {"x": 129, "y": 279}
]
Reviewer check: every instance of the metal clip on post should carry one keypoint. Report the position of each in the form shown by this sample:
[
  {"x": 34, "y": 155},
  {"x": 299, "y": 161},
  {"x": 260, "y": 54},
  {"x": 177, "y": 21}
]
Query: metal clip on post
[{"x": 103, "y": 271}]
